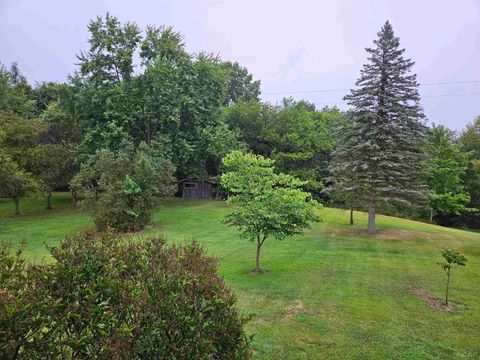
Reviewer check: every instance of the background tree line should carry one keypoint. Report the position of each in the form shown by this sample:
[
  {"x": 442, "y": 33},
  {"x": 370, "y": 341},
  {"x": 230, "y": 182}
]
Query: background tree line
[{"x": 139, "y": 94}]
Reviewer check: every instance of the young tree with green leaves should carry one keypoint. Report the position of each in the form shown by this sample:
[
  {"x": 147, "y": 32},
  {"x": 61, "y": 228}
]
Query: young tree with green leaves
[
  {"x": 15, "y": 183},
  {"x": 384, "y": 148},
  {"x": 19, "y": 152},
  {"x": 266, "y": 204},
  {"x": 452, "y": 259}
]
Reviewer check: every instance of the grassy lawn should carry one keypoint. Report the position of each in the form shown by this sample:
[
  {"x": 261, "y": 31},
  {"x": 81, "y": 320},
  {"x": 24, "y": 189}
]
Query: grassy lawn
[{"x": 334, "y": 293}]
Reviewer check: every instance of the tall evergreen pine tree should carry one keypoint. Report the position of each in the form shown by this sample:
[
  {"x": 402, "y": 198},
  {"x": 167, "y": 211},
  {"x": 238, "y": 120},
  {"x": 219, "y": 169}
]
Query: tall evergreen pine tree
[{"x": 382, "y": 157}]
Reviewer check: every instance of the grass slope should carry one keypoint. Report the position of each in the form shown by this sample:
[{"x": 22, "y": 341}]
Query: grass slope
[{"x": 333, "y": 293}]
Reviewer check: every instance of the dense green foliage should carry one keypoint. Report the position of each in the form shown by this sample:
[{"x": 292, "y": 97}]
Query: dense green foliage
[
  {"x": 19, "y": 138},
  {"x": 168, "y": 106},
  {"x": 15, "y": 92},
  {"x": 173, "y": 98},
  {"x": 296, "y": 135},
  {"x": 113, "y": 297},
  {"x": 470, "y": 143},
  {"x": 267, "y": 204},
  {"x": 448, "y": 165}
]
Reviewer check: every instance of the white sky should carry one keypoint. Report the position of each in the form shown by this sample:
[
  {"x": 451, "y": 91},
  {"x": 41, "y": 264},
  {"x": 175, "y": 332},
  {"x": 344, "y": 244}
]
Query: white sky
[{"x": 289, "y": 45}]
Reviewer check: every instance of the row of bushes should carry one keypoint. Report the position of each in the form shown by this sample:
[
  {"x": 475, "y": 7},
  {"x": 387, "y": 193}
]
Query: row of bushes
[{"x": 110, "y": 296}]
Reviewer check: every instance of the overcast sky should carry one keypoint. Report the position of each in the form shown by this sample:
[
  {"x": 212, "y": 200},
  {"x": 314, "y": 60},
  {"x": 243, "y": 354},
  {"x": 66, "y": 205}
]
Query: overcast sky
[{"x": 291, "y": 46}]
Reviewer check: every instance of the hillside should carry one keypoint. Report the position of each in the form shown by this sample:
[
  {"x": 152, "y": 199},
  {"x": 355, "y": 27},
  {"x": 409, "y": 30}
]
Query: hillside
[{"x": 332, "y": 293}]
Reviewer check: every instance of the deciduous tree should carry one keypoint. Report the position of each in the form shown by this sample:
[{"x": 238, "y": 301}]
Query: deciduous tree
[
  {"x": 21, "y": 138},
  {"x": 469, "y": 141},
  {"x": 241, "y": 86},
  {"x": 266, "y": 204},
  {"x": 452, "y": 259},
  {"x": 447, "y": 167},
  {"x": 15, "y": 183},
  {"x": 55, "y": 168}
]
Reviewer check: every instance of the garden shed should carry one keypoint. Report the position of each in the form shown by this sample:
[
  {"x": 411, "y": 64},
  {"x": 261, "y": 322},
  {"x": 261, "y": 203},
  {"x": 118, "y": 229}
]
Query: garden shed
[{"x": 198, "y": 189}]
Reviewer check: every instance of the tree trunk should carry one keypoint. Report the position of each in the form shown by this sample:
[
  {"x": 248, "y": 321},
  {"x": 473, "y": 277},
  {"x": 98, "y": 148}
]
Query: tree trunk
[
  {"x": 49, "y": 201},
  {"x": 16, "y": 200},
  {"x": 149, "y": 135},
  {"x": 259, "y": 246},
  {"x": 372, "y": 230},
  {"x": 74, "y": 197},
  {"x": 431, "y": 215},
  {"x": 257, "y": 264},
  {"x": 351, "y": 216},
  {"x": 448, "y": 284}
]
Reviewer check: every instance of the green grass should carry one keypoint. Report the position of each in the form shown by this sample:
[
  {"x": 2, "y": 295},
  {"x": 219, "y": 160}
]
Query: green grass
[{"x": 333, "y": 293}]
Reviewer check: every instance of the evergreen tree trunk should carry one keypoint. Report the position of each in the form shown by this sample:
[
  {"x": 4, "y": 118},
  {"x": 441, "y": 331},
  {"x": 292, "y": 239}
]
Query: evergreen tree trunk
[
  {"x": 16, "y": 200},
  {"x": 431, "y": 215},
  {"x": 49, "y": 201},
  {"x": 372, "y": 230},
  {"x": 351, "y": 216}
]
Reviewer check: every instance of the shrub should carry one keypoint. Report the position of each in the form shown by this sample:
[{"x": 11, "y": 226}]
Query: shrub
[
  {"x": 123, "y": 187},
  {"x": 107, "y": 296}
]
